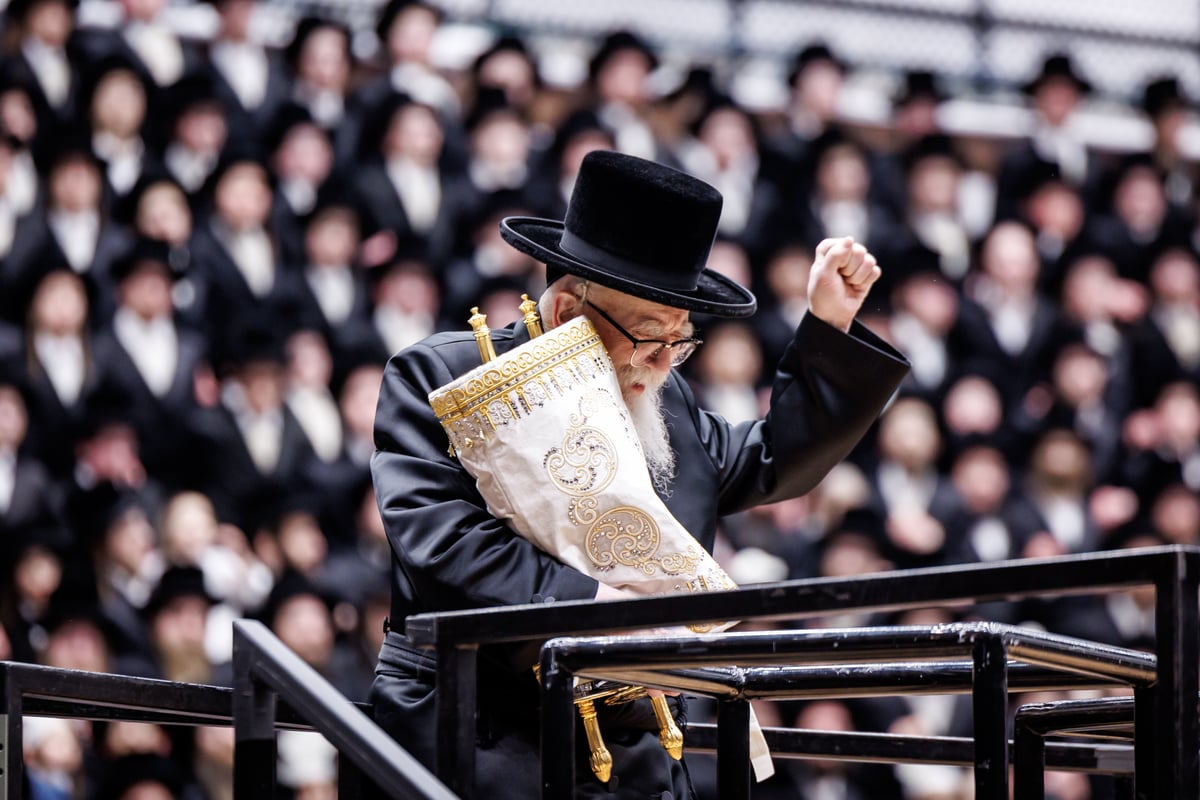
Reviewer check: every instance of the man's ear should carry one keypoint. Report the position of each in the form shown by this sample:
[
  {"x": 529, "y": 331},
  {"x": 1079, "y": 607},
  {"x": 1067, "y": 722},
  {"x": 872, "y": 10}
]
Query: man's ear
[{"x": 565, "y": 307}]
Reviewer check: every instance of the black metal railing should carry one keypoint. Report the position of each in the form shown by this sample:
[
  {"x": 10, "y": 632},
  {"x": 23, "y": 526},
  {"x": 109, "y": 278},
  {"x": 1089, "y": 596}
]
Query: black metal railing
[
  {"x": 991, "y": 647},
  {"x": 1168, "y": 722},
  {"x": 264, "y": 670},
  {"x": 275, "y": 691}
]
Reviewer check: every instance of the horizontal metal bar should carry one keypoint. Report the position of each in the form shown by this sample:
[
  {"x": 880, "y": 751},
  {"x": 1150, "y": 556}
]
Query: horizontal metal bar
[
  {"x": 1074, "y": 716},
  {"x": 887, "y": 748},
  {"x": 841, "y": 680},
  {"x": 78, "y": 694},
  {"x": 52, "y": 684},
  {"x": 591, "y": 656},
  {"x": 37, "y": 706},
  {"x": 1085, "y": 573}
]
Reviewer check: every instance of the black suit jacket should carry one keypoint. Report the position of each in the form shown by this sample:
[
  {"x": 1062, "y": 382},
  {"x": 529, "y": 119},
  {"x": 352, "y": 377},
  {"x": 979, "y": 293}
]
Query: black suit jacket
[
  {"x": 380, "y": 208},
  {"x": 451, "y": 553},
  {"x": 227, "y": 299},
  {"x": 161, "y": 422},
  {"x": 242, "y": 494},
  {"x": 247, "y": 124}
]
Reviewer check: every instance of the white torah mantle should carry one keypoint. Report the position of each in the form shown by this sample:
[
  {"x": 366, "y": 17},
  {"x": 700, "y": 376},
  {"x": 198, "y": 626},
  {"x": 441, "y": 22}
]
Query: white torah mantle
[{"x": 544, "y": 431}]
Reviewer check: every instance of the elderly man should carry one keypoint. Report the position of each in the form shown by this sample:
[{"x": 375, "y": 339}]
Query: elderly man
[{"x": 630, "y": 256}]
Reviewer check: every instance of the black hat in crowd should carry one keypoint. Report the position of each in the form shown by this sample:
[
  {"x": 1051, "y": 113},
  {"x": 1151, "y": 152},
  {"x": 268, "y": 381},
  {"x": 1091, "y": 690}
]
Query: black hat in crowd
[
  {"x": 175, "y": 583},
  {"x": 291, "y": 584},
  {"x": 818, "y": 51},
  {"x": 16, "y": 10},
  {"x": 490, "y": 103},
  {"x": 305, "y": 29},
  {"x": 128, "y": 771},
  {"x": 934, "y": 145},
  {"x": 1162, "y": 95},
  {"x": 193, "y": 91},
  {"x": 638, "y": 227},
  {"x": 579, "y": 122},
  {"x": 257, "y": 341},
  {"x": 62, "y": 145},
  {"x": 144, "y": 252},
  {"x": 508, "y": 43},
  {"x": 1058, "y": 65},
  {"x": 919, "y": 85},
  {"x": 618, "y": 42},
  {"x": 393, "y": 9}
]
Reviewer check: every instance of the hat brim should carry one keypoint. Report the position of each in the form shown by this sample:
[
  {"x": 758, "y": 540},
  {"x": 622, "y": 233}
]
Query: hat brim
[
  {"x": 1081, "y": 85},
  {"x": 714, "y": 294}
]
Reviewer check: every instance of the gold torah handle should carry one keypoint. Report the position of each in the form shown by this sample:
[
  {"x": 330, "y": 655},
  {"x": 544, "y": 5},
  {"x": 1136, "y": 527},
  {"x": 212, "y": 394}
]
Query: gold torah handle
[
  {"x": 483, "y": 336},
  {"x": 600, "y": 760},
  {"x": 669, "y": 734},
  {"x": 529, "y": 315}
]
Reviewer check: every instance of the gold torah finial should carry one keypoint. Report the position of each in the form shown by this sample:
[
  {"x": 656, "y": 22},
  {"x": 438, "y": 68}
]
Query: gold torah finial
[
  {"x": 483, "y": 336},
  {"x": 529, "y": 313}
]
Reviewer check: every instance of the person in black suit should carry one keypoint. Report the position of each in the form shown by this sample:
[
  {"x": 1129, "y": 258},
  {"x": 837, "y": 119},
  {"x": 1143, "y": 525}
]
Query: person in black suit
[
  {"x": 1141, "y": 223},
  {"x": 116, "y": 101},
  {"x": 143, "y": 38},
  {"x": 1168, "y": 110},
  {"x": 402, "y": 185},
  {"x": 46, "y": 59},
  {"x": 28, "y": 499},
  {"x": 726, "y": 154},
  {"x": 630, "y": 258},
  {"x": 254, "y": 452},
  {"x": 553, "y": 177},
  {"x": 320, "y": 64},
  {"x": 251, "y": 81},
  {"x": 331, "y": 290},
  {"x": 236, "y": 254},
  {"x": 406, "y": 30},
  {"x": 74, "y": 228},
  {"x": 301, "y": 159},
  {"x": 193, "y": 132},
  {"x": 1056, "y": 94},
  {"x": 1165, "y": 344},
  {"x": 150, "y": 361},
  {"x": 1004, "y": 324},
  {"x": 59, "y": 354},
  {"x": 617, "y": 79}
]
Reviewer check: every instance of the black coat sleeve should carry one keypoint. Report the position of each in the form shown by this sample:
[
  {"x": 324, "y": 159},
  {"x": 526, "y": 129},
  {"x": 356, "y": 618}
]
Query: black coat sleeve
[{"x": 829, "y": 388}]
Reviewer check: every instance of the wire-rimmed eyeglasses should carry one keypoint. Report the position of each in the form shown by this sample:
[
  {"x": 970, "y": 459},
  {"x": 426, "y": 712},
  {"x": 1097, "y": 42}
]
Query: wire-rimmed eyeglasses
[{"x": 647, "y": 350}]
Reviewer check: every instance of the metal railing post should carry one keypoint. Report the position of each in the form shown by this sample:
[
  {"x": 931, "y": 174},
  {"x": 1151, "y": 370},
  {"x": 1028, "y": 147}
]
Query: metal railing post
[
  {"x": 1176, "y": 727},
  {"x": 254, "y": 708},
  {"x": 455, "y": 703},
  {"x": 733, "y": 749},
  {"x": 12, "y": 764},
  {"x": 990, "y": 718},
  {"x": 558, "y": 729}
]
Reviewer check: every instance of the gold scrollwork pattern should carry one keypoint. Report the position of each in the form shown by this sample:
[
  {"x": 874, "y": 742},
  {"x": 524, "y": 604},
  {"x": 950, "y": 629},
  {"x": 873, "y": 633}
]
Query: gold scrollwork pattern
[
  {"x": 586, "y": 461},
  {"x": 629, "y": 537},
  {"x": 583, "y": 510}
]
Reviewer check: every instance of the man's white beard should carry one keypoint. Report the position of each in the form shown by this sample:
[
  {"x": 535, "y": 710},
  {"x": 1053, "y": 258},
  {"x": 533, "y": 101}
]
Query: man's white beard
[{"x": 650, "y": 424}]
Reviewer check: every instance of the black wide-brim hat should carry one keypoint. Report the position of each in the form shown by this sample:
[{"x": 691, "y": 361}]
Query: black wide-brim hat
[
  {"x": 640, "y": 228},
  {"x": 1058, "y": 65}
]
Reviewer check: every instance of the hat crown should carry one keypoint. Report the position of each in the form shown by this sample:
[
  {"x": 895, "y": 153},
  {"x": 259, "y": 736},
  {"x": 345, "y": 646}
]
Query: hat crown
[{"x": 642, "y": 219}]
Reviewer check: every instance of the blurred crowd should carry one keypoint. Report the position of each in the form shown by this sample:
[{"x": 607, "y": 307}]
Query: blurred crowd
[{"x": 210, "y": 247}]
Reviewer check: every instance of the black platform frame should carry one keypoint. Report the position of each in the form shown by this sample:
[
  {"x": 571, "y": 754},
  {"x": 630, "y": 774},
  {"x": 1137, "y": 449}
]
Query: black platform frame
[
  {"x": 991, "y": 647},
  {"x": 1169, "y": 710}
]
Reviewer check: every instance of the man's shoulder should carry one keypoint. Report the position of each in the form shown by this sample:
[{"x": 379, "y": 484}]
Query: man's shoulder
[{"x": 455, "y": 350}]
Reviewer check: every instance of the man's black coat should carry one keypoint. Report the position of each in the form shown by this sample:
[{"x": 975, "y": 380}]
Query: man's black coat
[{"x": 450, "y": 553}]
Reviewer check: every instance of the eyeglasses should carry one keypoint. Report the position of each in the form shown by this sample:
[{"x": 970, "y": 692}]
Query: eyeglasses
[{"x": 647, "y": 350}]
